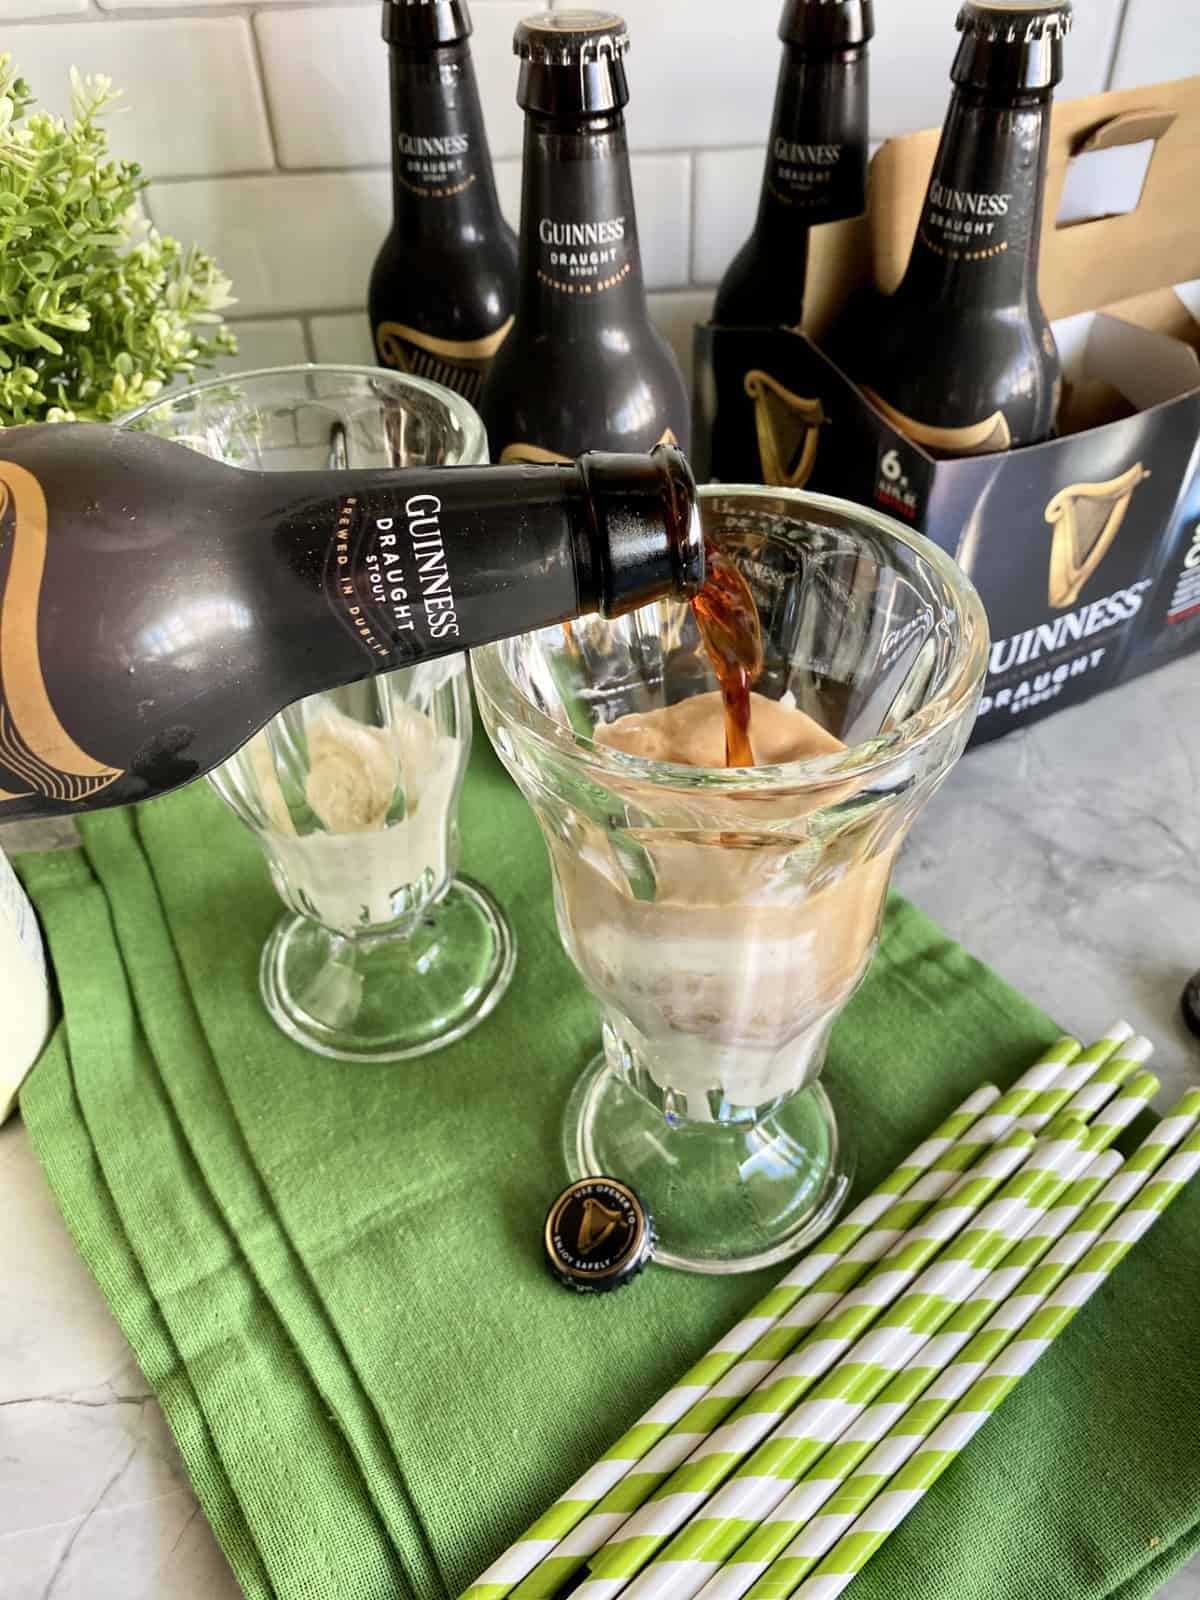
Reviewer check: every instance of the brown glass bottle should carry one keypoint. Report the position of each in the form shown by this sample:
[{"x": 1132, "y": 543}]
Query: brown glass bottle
[
  {"x": 961, "y": 358},
  {"x": 444, "y": 284},
  {"x": 584, "y": 368},
  {"x": 157, "y": 607},
  {"x": 816, "y": 169}
]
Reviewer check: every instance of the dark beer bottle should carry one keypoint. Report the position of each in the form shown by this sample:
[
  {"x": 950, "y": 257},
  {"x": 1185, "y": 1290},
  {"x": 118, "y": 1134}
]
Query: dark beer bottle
[
  {"x": 584, "y": 368},
  {"x": 157, "y": 607},
  {"x": 444, "y": 283},
  {"x": 816, "y": 167},
  {"x": 962, "y": 358}
]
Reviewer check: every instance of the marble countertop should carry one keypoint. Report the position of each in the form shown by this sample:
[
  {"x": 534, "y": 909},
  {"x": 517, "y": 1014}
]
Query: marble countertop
[{"x": 1067, "y": 856}]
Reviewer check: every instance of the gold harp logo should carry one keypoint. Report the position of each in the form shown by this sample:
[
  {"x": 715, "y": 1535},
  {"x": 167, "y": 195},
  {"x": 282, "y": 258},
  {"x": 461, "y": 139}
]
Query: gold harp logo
[
  {"x": 788, "y": 428},
  {"x": 596, "y": 1226},
  {"x": 975, "y": 439},
  {"x": 1086, "y": 518},
  {"x": 536, "y": 455},
  {"x": 34, "y": 746},
  {"x": 458, "y": 364}
]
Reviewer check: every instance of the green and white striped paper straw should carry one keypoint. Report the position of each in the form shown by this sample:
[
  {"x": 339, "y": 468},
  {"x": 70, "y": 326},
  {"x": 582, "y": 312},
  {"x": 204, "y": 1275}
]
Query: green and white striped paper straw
[
  {"x": 753, "y": 1569},
  {"x": 544, "y": 1558},
  {"x": 636, "y": 1543},
  {"x": 937, "y": 1450},
  {"x": 822, "y": 1480},
  {"x": 637, "y": 1538},
  {"x": 806, "y": 1432},
  {"x": 633, "y": 1445}
]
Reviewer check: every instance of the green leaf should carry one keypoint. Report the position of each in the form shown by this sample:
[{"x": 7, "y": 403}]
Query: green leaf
[{"x": 96, "y": 310}]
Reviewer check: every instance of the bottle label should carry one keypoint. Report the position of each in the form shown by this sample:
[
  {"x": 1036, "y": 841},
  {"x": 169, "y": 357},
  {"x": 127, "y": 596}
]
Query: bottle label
[
  {"x": 981, "y": 438},
  {"x": 435, "y": 166},
  {"x": 534, "y": 454},
  {"x": 37, "y": 754},
  {"x": 586, "y": 256},
  {"x": 813, "y": 177},
  {"x": 967, "y": 224},
  {"x": 388, "y": 577},
  {"x": 458, "y": 364}
]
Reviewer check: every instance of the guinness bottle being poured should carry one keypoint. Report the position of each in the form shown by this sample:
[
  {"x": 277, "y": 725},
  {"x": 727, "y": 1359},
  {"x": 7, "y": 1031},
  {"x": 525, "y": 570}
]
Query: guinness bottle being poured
[
  {"x": 584, "y": 368},
  {"x": 445, "y": 282},
  {"x": 158, "y": 607},
  {"x": 816, "y": 167},
  {"x": 962, "y": 359}
]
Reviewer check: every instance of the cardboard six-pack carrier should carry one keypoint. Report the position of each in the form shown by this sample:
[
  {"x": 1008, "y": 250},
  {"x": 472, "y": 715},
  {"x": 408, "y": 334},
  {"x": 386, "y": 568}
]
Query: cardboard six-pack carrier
[{"x": 1085, "y": 549}]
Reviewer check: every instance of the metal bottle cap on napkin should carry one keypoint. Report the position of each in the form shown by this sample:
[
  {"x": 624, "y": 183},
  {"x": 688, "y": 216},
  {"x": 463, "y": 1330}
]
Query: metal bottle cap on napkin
[{"x": 598, "y": 1235}]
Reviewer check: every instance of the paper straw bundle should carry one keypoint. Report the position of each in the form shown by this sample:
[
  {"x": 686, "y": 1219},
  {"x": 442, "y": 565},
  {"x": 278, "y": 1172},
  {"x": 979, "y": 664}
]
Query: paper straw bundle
[{"x": 872, "y": 1344}]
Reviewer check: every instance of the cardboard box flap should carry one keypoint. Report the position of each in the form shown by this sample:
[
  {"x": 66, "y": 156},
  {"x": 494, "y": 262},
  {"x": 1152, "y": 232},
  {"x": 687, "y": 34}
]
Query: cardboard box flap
[
  {"x": 1130, "y": 127},
  {"x": 1091, "y": 263}
]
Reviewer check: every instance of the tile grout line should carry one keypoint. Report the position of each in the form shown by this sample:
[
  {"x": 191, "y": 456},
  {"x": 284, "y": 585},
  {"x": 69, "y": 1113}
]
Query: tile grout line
[
  {"x": 1124, "y": 9},
  {"x": 265, "y": 97}
]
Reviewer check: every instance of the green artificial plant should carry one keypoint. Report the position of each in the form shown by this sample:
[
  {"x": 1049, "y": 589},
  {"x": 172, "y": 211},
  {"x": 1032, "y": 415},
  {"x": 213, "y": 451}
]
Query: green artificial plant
[{"x": 98, "y": 310}]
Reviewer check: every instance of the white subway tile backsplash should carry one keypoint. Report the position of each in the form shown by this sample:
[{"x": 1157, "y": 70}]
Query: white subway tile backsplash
[
  {"x": 327, "y": 81},
  {"x": 190, "y": 85},
  {"x": 1157, "y": 43},
  {"x": 16, "y": 10},
  {"x": 915, "y": 44},
  {"x": 662, "y": 194},
  {"x": 343, "y": 339},
  {"x": 700, "y": 75},
  {"x": 277, "y": 342},
  {"x": 726, "y": 201},
  {"x": 177, "y": 5},
  {"x": 508, "y": 190},
  {"x": 290, "y": 243}
]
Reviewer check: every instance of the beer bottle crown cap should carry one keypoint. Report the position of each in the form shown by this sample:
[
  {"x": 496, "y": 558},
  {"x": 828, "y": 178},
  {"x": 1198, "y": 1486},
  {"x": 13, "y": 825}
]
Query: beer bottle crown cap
[
  {"x": 598, "y": 1235},
  {"x": 421, "y": 24},
  {"x": 827, "y": 24},
  {"x": 1009, "y": 46},
  {"x": 572, "y": 62}
]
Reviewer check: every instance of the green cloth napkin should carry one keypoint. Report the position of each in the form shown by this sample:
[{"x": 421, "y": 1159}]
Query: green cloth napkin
[{"x": 331, "y": 1274}]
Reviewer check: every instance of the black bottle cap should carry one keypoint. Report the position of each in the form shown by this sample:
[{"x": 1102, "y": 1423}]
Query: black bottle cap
[
  {"x": 571, "y": 63},
  {"x": 827, "y": 24},
  {"x": 648, "y": 530},
  {"x": 421, "y": 24},
  {"x": 1009, "y": 47},
  {"x": 598, "y": 1235}
]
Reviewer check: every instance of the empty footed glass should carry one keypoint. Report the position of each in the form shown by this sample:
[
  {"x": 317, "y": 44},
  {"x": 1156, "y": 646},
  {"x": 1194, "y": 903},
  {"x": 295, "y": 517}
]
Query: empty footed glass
[
  {"x": 384, "y": 952},
  {"x": 723, "y": 917}
]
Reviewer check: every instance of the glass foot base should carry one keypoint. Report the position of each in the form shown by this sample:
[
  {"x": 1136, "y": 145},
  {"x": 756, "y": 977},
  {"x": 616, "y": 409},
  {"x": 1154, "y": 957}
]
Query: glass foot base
[
  {"x": 390, "y": 998},
  {"x": 727, "y": 1197}
]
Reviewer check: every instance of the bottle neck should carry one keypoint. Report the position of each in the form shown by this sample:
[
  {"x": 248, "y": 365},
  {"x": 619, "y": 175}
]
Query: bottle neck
[
  {"x": 979, "y": 237},
  {"x": 816, "y": 167},
  {"x": 442, "y": 179},
  {"x": 580, "y": 265}
]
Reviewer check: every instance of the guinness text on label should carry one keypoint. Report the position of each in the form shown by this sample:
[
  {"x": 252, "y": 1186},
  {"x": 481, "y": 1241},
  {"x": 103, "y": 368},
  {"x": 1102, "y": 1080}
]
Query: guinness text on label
[
  {"x": 433, "y": 575},
  {"x": 807, "y": 155},
  {"x": 964, "y": 202},
  {"x": 418, "y": 144},
  {"x": 1070, "y": 628},
  {"x": 581, "y": 233}
]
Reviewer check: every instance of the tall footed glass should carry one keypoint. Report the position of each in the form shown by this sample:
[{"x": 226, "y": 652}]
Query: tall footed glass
[
  {"x": 384, "y": 952},
  {"x": 723, "y": 917}
]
